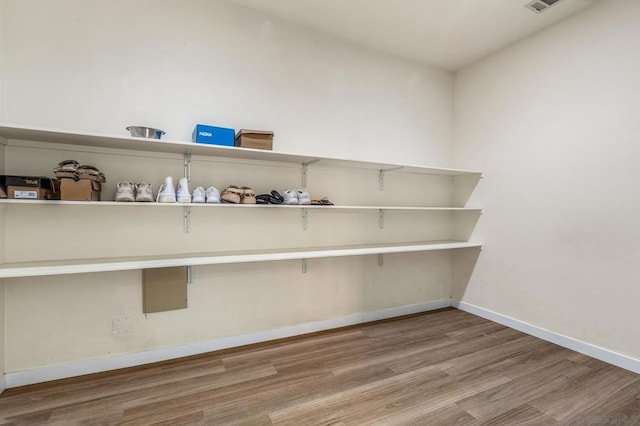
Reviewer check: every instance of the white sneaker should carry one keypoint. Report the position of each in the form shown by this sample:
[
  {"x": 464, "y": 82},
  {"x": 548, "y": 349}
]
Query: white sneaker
[
  {"x": 167, "y": 193},
  {"x": 213, "y": 195},
  {"x": 183, "y": 195},
  {"x": 198, "y": 195},
  {"x": 124, "y": 192},
  {"x": 303, "y": 197},
  {"x": 144, "y": 192},
  {"x": 290, "y": 197}
]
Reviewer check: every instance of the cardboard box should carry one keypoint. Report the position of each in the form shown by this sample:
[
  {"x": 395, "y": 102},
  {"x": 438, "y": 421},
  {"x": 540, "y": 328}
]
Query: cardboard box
[
  {"x": 81, "y": 190},
  {"x": 213, "y": 135},
  {"x": 256, "y": 139},
  {"x": 30, "y": 187}
]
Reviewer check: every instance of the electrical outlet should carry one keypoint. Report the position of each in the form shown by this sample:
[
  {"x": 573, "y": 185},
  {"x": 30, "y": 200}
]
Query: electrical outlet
[{"x": 122, "y": 326}]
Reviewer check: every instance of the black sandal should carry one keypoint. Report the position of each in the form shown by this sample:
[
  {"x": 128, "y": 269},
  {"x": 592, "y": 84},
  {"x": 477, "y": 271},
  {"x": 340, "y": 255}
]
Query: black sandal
[{"x": 273, "y": 198}]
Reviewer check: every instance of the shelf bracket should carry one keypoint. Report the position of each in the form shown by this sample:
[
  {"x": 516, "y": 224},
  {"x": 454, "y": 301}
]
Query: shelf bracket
[
  {"x": 381, "y": 176},
  {"x": 187, "y": 219},
  {"x": 381, "y": 219},
  {"x": 190, "y": 274},
  {"x": 381, "y": 260},
  {"x": 305, "y": 169},
  {"x": 304, "y": 266},
  {"x": 187, "y": 165},
  {"x": 305, "y": 220}
]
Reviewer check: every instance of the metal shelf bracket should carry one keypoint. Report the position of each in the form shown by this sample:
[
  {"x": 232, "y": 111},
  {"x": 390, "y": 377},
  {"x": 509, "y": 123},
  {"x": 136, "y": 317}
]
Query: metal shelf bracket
[
  {"x": 304, "y": 266},
  {"x": 381, "y": 260},
  {"x": 305, "y": 219},
  {"x": 190, "y": 274},
  {"x": 187, "y": 165},
  {"x": 187, "y": 219},
  {"x": 381, "y": 176},
  {"x": 381, "y": 219},
  {"x": 305, "y": 169}
]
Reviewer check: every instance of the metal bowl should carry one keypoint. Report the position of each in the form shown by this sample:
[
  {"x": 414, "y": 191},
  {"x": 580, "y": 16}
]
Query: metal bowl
[{"x": 145, "y": 132}]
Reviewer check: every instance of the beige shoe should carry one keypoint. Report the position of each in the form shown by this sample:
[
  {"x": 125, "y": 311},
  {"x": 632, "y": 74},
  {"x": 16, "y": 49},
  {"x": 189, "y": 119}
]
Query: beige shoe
[
  {"x": 232, "y": 195},
  {"x": 144, "y": 192},
  {"x": 3, "y": 194},
  {"x": 125, "y": 192},
  {"x": 248, "y": 195}
]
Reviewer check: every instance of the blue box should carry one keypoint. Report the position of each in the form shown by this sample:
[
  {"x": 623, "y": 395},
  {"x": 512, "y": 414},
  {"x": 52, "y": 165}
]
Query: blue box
[{"x": 213, "y": 135}]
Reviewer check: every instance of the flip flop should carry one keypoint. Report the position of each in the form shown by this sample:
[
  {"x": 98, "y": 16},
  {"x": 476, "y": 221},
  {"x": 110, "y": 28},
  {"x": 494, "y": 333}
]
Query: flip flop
[
  {"x": 273, "y": 198},
  {"x": 322, "y": 202}
]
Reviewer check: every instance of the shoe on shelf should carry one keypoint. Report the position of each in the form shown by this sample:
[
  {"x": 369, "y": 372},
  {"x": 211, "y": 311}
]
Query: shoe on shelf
[
  {"x": 167, "y": 193},
  {"x": 290, "y": 197},
  {"x": 144, "y": 192},
  {"x": 303, "y": 197},
  {"x": 213, "y": 195},
  {"x": 183, "y": 195},
  {"x": 198, "y": 195},
  {"x": 232, "y": 195},
  {"x": 248, "y": 195},
  {"x": 125, "y": 192},
  {"x": 324, "y": 201},
  {"x": 66, "y": 169},
  {"x": 272, "y": 198},
  {"x": 3, "y": 194}
]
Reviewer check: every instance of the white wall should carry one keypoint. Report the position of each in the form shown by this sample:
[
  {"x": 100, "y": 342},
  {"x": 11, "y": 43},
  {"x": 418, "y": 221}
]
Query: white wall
[
  {"x": 103, "y": 65},
  {"x": 91, "y": 66},
  {"x": 553, "y": 123}
]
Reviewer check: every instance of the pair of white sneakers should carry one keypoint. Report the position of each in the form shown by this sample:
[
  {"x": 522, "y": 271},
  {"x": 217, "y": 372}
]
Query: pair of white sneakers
[
  {"x": 168, "y": 194},
  {"x": 296, "y": 197},
  {"x": 139, "y": 192}
]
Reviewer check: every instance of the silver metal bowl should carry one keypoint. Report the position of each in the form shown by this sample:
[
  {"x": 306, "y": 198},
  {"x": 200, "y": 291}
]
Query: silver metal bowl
[{"x": 145, "y": 132}]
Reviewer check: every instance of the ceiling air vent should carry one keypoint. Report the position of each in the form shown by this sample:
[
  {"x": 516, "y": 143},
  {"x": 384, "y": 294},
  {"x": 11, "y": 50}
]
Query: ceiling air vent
[{"x": 540, "y": 5}]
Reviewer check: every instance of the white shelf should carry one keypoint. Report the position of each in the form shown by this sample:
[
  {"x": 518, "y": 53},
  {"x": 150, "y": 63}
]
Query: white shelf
[
  {"x": 179, "y": 147},
  {"x": 229, "y": 206},
  {"x": 30, "y": 269}
]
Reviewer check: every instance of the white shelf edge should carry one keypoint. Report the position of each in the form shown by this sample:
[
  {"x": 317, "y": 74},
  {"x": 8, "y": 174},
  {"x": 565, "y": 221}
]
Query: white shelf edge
[
  {"x": 40, "y": 134},
  {"x": 31, "y": 269},
  {"x": 243, "y": 206}
]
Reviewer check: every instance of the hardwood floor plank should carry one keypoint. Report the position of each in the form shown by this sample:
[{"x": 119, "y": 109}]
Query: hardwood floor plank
[
  {"x": 119, "y": 384},
  {"x": 583, "y": 392},
  {"x": 442, "y": 368},
  {"x": 515, "y": 393},
  {"x": 192, "y": 419},
  {"x": 622, "y": 406},
  {"x": 162, "y": 394},
  {"x": 398, "y": 398},
  {"x": 523, "y": 415},
  {"x": 450, "y": 415}
]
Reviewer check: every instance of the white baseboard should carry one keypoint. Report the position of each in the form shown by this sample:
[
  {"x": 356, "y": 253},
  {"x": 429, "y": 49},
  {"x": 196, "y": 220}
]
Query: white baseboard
[
  {"x": 606, "y": 355},
  {"x": 98, "y": 365}
]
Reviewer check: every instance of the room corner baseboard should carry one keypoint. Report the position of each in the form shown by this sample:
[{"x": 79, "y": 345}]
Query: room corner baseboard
[
  {"x": 606, "y": 355},
  {"x": 114, "y": 362}
]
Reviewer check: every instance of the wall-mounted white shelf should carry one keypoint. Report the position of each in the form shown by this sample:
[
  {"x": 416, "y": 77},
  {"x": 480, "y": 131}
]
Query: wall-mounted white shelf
[
  {"x": 229, "y": 206},
  {"x": 30, "y": 269},
  {"x": 38, "y": 134}
]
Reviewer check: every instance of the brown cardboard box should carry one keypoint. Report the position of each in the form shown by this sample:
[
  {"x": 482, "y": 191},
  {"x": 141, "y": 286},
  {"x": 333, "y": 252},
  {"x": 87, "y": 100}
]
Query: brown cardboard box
[
  {"x": 256, "y": 139},
  {"x": 29, "y": 193},
  {"x": 81, "y": 190},
  {"x": 30, "y": 187}
]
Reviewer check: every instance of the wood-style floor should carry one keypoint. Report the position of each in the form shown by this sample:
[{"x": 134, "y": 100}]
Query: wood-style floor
[{"x": 441, "y": 368}]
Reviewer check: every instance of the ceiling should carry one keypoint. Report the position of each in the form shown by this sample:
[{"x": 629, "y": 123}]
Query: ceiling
[{"x": 448, "y": 34}]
